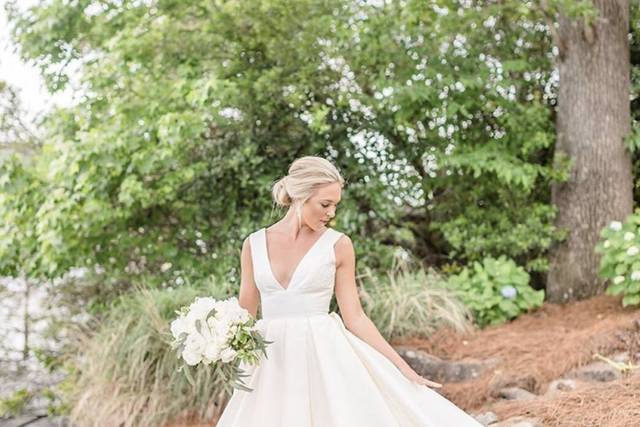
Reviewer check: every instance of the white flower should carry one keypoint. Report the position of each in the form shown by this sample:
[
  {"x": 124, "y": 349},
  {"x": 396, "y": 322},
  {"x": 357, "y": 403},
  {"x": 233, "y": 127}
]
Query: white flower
[
  {"x": 259, "y": 326},
  {"x": 618, "y": 279},
  {"x": 210, "y": 342},
  {"x": 212, "y": 350},
  {"x": 508, "y": 292},
  {"x": 165, "y": 266},
  {"x": 629, "y": 235},
  {"x": 633, "y": 250},
  {"x": 635, "y": 275},
  {"x": 616, "y": 225},
  {"x": 179, "y": 326},
  {"x": 607, "y": 243},
  {"x": 227, "y": 355},
  {"x": 194, "y": 347},
  {"x": 199, "y": 309},
  {"x": 191, "y": 357}
]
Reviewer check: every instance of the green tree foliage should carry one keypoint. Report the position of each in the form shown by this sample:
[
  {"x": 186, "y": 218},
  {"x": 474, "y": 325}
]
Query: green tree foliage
[{"x": 438, "y": 113}]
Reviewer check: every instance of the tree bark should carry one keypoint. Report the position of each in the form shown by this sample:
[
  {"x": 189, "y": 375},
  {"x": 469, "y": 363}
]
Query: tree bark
[{"x": 593, "y": 118}]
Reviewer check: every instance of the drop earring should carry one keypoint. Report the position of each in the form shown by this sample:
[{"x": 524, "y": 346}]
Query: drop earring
[{"x": 299, "y": 215}]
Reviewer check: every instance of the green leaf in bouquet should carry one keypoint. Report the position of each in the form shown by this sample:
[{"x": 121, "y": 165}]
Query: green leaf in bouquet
[
  {"x": 237, "y": 381},
  {"x": 211, "y": 313}
]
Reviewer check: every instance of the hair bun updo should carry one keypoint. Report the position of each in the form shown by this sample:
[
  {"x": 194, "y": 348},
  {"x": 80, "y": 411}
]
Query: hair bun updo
[
  {"x": 305, "y": 175},
  {"x": 280, "y": 194}
]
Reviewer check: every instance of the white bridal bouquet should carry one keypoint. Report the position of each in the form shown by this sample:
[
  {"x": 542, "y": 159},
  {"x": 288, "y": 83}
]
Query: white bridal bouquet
[{"x": 218, "y": 332}]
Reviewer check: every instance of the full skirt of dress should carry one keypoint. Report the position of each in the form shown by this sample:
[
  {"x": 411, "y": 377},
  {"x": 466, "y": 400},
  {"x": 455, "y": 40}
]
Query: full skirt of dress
[{"x": 319, "y": 374}]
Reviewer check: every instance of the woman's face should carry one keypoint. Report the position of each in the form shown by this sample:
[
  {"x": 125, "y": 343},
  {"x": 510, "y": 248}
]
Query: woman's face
[{"x": 320, "y": 208}]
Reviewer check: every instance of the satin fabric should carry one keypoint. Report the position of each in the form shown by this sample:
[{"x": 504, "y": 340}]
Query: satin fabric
[{"x": 317, "y": 373}]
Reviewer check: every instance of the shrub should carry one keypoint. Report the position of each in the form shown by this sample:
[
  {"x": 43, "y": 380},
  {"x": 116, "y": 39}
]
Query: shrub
[
  {"x": 619, "y": 245},
  {"x": 495, "y": 290}
]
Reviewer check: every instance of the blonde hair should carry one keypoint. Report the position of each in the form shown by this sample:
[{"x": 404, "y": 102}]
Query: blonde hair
[{"x": 305, "y": 175}]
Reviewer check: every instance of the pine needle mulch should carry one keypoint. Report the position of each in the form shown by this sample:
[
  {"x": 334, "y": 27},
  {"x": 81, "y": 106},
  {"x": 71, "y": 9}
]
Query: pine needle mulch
[{"x": 539, "y": 347}]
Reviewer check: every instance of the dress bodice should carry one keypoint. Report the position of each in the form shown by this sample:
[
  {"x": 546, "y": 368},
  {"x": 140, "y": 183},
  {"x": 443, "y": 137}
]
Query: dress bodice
[{"x": 311, "y": 285}]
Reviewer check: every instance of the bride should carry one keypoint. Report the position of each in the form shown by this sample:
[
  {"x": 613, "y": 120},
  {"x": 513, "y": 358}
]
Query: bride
[{"x": 322, "y": 369}]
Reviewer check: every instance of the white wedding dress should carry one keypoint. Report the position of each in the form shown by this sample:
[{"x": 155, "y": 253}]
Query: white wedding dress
[{"x": 317, "y": 373}]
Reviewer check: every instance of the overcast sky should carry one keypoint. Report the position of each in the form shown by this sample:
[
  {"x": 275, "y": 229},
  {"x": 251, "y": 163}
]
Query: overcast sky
[{"x": 25, "y": 77}]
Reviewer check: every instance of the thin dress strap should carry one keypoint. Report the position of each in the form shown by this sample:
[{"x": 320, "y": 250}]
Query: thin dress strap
[
  {"x": 333, "y": 237},
  {"x": 257, "y": 249}
]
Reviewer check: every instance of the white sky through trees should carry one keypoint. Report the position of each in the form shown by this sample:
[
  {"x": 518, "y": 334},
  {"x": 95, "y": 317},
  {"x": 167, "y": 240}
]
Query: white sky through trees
[{"x": 25, "y": 77}]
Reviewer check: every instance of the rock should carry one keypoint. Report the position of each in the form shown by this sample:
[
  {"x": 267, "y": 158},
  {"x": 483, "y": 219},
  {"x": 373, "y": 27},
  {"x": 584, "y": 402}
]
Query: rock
[
  {"x": 597, "y": 371},
  {"x": 501, "y": 381},
  {"x": 440, "y": 370},
  {"x": 486, "y": 418},
  {"x": 50, "y": 422},
  {"x": 516, "y": 393},
  {"x": 18, "y": 421},
  {"x": 35, "y": 421},
  {"x": 518, "y": 421},
  {"x": 561, "y": 385}
]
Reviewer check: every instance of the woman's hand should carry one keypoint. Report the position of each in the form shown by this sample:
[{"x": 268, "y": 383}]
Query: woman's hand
[{"x": 408, "y": 372}]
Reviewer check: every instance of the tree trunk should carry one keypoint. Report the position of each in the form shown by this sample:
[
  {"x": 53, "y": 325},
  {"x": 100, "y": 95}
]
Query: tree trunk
[{"x": 593, "y": 118}]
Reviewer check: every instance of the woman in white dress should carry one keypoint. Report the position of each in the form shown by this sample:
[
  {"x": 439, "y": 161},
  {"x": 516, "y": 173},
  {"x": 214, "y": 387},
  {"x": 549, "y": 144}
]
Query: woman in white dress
[{"x": 322, "y": 369}]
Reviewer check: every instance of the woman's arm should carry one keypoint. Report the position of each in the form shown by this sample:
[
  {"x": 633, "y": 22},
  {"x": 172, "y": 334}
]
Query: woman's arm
[
  {"x": 249, "y": 295},
  {"x": 354, "y": 316}
]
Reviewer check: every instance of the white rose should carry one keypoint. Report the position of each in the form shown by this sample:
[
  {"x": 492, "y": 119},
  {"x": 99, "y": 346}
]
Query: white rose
[
  {"x": 633, "y": 250},
  {"x": 191, "y": 357},
  {"x": 616, "y": 225},
  {"x": 212, "y": 350},
  {"x": 199, "y": 309},
  {"x": 221, "y": 327},
  {"x": 635, "y": 275},
  {"x": 259, "y": 326},
  {"x": 202, "y": 305},
  {"x": 227, "y": 355},
  {"x": 194, "y": 347},
  {"x": 179, "y": 326},
  {"x": 607, "y": 243},
  {"x": 629, "y": 235},
  {"x": 618, "y": 279}
]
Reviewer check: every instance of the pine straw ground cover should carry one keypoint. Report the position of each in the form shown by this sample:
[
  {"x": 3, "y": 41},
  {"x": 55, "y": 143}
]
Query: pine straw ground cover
[{"x": 539, "y": 347}]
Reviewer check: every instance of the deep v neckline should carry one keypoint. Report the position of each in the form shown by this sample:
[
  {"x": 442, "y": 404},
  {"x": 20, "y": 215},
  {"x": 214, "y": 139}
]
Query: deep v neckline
[{"x": 295, "y": 270}]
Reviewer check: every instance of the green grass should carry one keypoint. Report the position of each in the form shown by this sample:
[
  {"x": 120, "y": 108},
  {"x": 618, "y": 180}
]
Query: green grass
[
  {"x": 125, "y": 373},
  {"x": 411, "y": 303}
]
